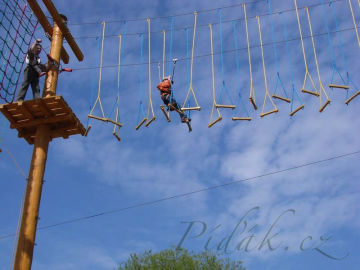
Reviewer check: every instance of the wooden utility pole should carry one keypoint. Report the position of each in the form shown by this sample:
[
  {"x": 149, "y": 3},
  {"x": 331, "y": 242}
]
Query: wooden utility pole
[{"x": 39, "y": 121}]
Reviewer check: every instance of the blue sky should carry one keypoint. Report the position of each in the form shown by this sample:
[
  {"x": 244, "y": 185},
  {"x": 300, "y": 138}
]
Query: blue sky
[{"x": 312, "y": 210}]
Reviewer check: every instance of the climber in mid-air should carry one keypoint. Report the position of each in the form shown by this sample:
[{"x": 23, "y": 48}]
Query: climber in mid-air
[{"x": 166, "y": 95}]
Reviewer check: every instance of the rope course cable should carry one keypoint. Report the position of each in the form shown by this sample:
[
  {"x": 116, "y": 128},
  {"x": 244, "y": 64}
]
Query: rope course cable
[
  {"x": 240, "y": 99},
  {"x": 191, "y": 89},
  {"x": 177, "y": 196},
  {"x": 294, "y": 93},
  {"x": 267, "y": 93},
  {"x": 278, "y": 77},
  {"x": 252, "y": 89},
  {"x": 175, "y": 15},
  {"x": 17, "y": 28},
  {"x": 206, "y": 25}
]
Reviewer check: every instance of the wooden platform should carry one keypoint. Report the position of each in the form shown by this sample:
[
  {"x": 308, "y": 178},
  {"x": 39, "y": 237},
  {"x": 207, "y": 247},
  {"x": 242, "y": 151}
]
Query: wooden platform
[{"x": 26, "y": 116}]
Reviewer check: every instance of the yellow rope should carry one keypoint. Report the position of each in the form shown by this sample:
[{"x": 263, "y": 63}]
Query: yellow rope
[
  {"x": 100, "y": 74},
  {"x": 150, "y": 106},
  {"x": 267, "y": 94},
  {"x": 321, "y": 87},
  {"x": 163, "y": 62},
  {"x": 117, "y": 127},
  {"x": 191, "y": 68},
  {"x": 252, "y": 89},
  {"x": 211, "y": 122},
  {"x": 354, "y": 21},
  {"x": 307, "y": 74}
]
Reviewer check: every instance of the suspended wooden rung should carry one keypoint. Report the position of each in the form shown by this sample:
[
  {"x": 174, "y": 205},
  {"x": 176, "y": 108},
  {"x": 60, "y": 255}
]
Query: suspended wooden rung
[
  {"x": 214, "y": 122},
  {"x": 253, "y": 103},
  {"x": 298, "y": 109},
  {"x": 114, "y": 122},
  {"x": 141, "y": 123},
  {"x": 269, "y": 112},
  {"x": 352, "y": 97},
  {"x": 98, "y": 118},
  {"x": 165, "y": 113},
  {"x": 241, "y": 118},
  {"x": 173, "y": 108},
  {"x": 117, "y": 136},
  {"x": 310, "y": 92},
  {"x": 150, "y": 121},
  {"x": 191, "y": 108},
  {"x": 339, "y": 86},
  {"x": 324, "y": 106},
  {"x": 225, "y": 106},
  {"x": 87, "y": 131},
  {"x": 282, "y": 98}
]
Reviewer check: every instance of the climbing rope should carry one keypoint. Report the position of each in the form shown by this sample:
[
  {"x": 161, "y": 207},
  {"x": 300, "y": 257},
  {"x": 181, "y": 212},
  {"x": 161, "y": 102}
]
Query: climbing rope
[
  {"x": 252, "y": 89},
  {"x": 213, "y": 122},
  {"x": 307, "y": 74},
  {"x": 321, "y": 87},
  {"x": 141, "y": 118},
  {"x": 354, "y": 21},
  {"x": 188, "y": 112},
  {"x": 294, "y": 92},
  {"x": 333, "y": 60},
  {"x": 278, "y": 77},
  {"x": 98, "y": 98},
  {"x": 267, "y": 94},
  {"x": 223, "y": 84},
  {"x": 349, "y": 80},
  {"x": 241, "y": 102},
  {"x": 150, "y": 105},
  {"x": 197, "y": 107},
  {"x": 92, "y": 92},
  {"x": 117, "y": 123}
]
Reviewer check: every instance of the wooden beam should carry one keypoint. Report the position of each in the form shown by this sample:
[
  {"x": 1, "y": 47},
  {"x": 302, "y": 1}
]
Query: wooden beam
[
  {"x": 198, "y": 108},
  {"x": 241, "y": 119},
  {"x": 46, "y": 25},
  {"x": 214, "y": 122},
  {"x": 269, "y": 112},
  {"x": 225, "y": 106},
  {"x": 64, "y": 29},
  {"x": 141, "y": 123},
  {"x": 298, "y": 109}
]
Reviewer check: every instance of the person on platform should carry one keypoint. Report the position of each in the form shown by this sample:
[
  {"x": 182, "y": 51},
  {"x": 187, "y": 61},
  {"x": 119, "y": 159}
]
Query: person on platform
[{"x": 34, "y": 69}]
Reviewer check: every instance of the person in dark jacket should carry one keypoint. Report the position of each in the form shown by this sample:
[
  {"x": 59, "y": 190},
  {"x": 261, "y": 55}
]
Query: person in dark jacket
[{"x": 34, "y": 69}]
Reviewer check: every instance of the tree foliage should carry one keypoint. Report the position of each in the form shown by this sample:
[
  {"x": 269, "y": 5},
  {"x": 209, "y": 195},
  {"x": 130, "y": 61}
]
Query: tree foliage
[{"x": 179, "y": 259}]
